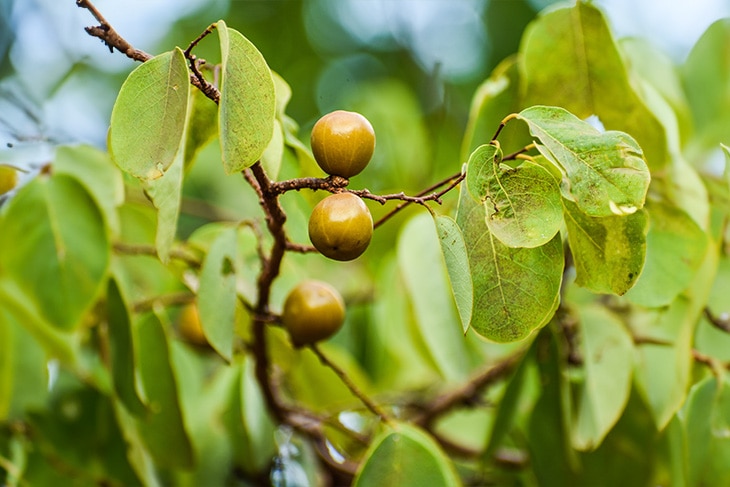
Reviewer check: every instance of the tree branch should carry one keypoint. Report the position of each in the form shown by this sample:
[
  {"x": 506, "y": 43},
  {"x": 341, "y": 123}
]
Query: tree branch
[{"x": 721, "y": 322}]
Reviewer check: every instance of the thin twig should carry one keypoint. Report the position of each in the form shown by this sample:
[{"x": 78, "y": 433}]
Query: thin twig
[
  {"x": 721, "y": 322},
  {"x": 502, "y": 124},
  {"x": 372, "y": 406},
  {"x": 151, "y": 251},
  {"x": 514, "y": 155},
  {"x": 175, "y": 299},
  {"x": 332, "y": 184}
]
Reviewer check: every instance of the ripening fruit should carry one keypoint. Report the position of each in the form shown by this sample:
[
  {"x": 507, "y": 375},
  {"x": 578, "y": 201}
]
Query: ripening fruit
[
  {"x": 189, "y": 326},
  {"x": 341, "y": 226},
  {"x": 8, "y": 178},
  {"x": 343, "y": 143},
  {"x": 313, "y": 311}
]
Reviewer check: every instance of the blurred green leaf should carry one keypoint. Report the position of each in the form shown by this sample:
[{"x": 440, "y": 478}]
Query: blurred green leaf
[
  {"x": 55, "y": 247},
  {"x": 706, "y": 75},
  {"x": 202, "y": 127},
  {"x": 608, "y": 251},
  {"x": 163, "y": 429},
  {"x": 675, "y": 248},
  {"x": 608, "y": 351},
  {"x": 149, "y": 117},
  {"x": 217, "y": 293},
  {"x": 569, "y": 59},
  {"x": 516, "y": 290},
  {"x": 248, "y": 101},
  {"x": 121, "y": 350},
  {"x": 166, "y": 194},
  {"x": 605, "y": 173},
  {"x": 457, "y": 265},
  {"x": 405, "y": 456},
  {"x": 274, "y": 152},
  {"x": 426, "y": 278}
]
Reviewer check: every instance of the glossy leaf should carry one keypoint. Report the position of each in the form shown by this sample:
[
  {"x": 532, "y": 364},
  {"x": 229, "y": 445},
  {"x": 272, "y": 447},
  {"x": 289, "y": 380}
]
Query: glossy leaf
[
  {"x": 457, "y": 266},
  {"x": 247, "y": 103},
  {"x": 605, "y": 173},
  {"x": 163, "y": 427},
  {"x": 675, "y": 248},
  {"x": 166, "y": 194},
  {"x": 607, "y": 350},
  {"x": 121, "y": 350},
  {"x": 706, "y": 75},
  {"x": 515, "y": 289},
  {"x": 217, "y": 293},
  {"x": 149, "y": 116},
  {"x": 522, "y": 204},
  {"x": 55, "y": 246},
  {"x": 405, "y": 456},
  {"x": 608, "y": 252},
  {"x": 427, "y": 284},
  {"x": 569, "y": 59}
]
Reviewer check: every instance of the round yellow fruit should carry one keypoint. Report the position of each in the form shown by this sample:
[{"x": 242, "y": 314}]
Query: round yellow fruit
[
  {"x": 313, "y": 311},
  {"x": 190, "y": 327},
  {"x": 341, "y": 226},
  {"x": 343, "y": 143},
  {"x": 8, "y": 178}
]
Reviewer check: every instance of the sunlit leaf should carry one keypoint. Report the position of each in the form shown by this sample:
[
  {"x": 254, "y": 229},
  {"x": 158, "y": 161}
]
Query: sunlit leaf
[
  {"x": 675, "y": 248},
  {"x": 405, "y": 456},
  {"x": 605, "y": 173},
  {"x": 608, "y": 251},
  {"x": 569, "y": 59},
  {"x": 607, "y": 351},
  {"x": 149, "y": 116},
  {"x": 247, "y": 103},
  {"x": 217, "y": 293},
  {"x": 457, "y": 265},
  {"x": 516, "y": 290},
  {"x": 55, "y": 246}
]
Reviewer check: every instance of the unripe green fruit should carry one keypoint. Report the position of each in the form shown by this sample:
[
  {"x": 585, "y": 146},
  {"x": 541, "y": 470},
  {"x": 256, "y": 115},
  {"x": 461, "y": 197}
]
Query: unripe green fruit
[
  {"x": 343, "y": 143},
  {"x": 313, "y": 311},
  {"x": 8, "y": 179},
  {"x": 341, "y": 226}
]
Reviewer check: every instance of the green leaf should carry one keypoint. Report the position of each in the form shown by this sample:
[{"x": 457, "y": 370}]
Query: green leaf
[
  {"x": 675, "y": 248},
  {"x": 516, "y": 290},
  {"x": 608, "y": 251},
  {"x": 607, "y": 351},
  {"x": 55, "y": 246},
  {"x": 163, "y": 429},
  {"x": 121, "y": 349},
  {"x": 706, "y": 76},
  {"x": 274, "y": 153},
  {"x": 405, "y": 456},
  {"x": 248, "y": 101},
  {"x": 605, "y": 173},
  {"x": 166, "y": 194},
  {"x": 217, "y": 293},
  {"x": 569, "y": 59},
  {"x": 522, "y": 204},
  {"x": 202, "y": 127},
  {"x": 426, "y": 278},
  {"x": 457, "y": 265},
  {"x": 96, "y": 172},
  {"x": 149, "y": 116}
]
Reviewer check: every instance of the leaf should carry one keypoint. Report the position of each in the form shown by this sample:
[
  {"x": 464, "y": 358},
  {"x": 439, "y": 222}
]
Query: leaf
[
  {"x": 96, "y": 172},
  {"x": 163, "y": 429},
  {"x": 405, "y": 456},
  {"x": 148, "y": 119},
  {"x": 605, "y": 173},
  {"x": 516, "y": 290},
  {"x": 248, "y": 102},
  {"x": 569, "y": 59},
  {"x": 202, "y": 127},
  {"x": 706, "y": 75},
  {"x": 426, "y": 278},
  {"x": 675, "y": 248},
  {"x": 166, "y": 194},
  {"x": 608, "y": 351},
  {"x": 121, "y": 350},
  {"x": 217, "y": 293},
  {"x": 274, "y": 153},
  {"x": 55, "y": 247},
  {"x": 608, "y": 251},
  {"x": 522, "y": 203},
  {"x": 457, "y": 266}
]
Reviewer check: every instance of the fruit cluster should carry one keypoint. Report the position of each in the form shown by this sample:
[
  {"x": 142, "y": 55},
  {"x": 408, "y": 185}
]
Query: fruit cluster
[{"x": 340, "y": 226}]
